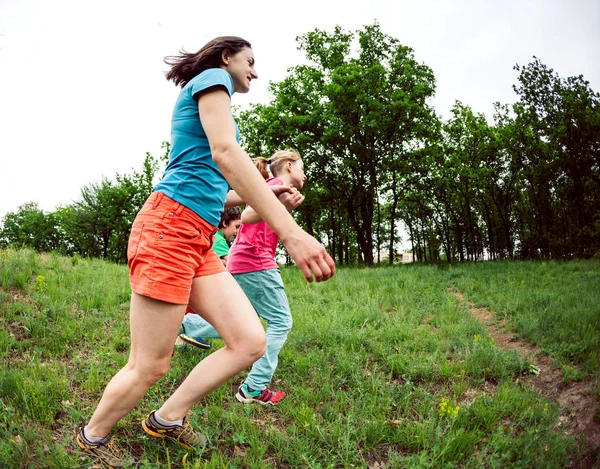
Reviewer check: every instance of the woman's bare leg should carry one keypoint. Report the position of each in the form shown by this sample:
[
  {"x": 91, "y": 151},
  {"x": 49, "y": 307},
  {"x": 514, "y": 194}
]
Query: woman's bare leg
[
  {"x": 220, "y": 300},
  {"x": 154, "y": 326}
]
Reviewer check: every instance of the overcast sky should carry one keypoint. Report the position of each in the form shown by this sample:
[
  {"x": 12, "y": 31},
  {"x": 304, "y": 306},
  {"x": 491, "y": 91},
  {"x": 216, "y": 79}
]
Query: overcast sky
[{"x": 83, "y": 94}]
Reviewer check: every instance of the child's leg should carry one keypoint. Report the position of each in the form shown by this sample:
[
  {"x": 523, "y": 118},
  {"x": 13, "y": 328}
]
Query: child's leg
[
  {"x": 266, "y": 293},
  {"x": 194, "y": 325}
]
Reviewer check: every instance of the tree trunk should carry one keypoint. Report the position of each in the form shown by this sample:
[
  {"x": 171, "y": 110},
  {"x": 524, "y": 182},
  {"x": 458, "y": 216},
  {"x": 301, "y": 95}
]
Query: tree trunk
[
  {"x": 395, "y": 198},
  {"x": 378, "y": 231},
  {"x": 333, "y": 240}
]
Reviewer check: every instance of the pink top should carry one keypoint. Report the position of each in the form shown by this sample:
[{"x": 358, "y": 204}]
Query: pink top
[{"x": 254, "y": 246}]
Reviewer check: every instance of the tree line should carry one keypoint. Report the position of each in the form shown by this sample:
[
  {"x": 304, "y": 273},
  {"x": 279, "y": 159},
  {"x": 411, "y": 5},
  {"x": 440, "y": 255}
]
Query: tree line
[
  {"x": 97, "y": 225},
  {"x": 524, "y": 186}
]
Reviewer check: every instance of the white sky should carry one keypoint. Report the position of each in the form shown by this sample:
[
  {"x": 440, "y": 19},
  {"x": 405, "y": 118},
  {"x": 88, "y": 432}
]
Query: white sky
[{"x": 83, "y": 94}]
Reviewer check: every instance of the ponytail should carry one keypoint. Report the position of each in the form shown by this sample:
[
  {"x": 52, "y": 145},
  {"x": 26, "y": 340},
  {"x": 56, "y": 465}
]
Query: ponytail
[
  {"x": 261, "y": 164},
  {"x": 276, "y": 162}
]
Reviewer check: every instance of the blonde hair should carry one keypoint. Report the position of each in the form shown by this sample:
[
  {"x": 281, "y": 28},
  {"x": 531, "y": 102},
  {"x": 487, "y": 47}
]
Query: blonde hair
[{"x": 276, "y": 162}]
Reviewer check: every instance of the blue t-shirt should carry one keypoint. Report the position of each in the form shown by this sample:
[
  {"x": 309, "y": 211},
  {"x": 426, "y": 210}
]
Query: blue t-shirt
[{"x": 192, "y": 178}]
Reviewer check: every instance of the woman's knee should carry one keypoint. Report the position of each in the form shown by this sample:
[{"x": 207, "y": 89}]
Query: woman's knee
[
  {"x": 258, "y": 345},
  {"x": 252, "y": 347},
  {"x": 153, "y": 372}
]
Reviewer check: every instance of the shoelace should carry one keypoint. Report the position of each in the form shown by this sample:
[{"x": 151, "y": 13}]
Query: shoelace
[
  {"x": 114, "y": 449},
  {"x": 266, "y": 395},
  {"x": 188, "y": 431}
]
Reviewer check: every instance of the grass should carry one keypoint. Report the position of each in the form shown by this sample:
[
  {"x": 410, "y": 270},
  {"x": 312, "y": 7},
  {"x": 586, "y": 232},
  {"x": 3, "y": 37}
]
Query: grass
[
  {"x": 555, "y": 305},
  {"x": 383, "y": 368}
]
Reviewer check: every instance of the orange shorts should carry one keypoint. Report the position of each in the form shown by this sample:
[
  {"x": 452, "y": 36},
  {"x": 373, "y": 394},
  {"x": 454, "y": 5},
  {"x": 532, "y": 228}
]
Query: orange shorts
[{"x": 169, "y": 245}]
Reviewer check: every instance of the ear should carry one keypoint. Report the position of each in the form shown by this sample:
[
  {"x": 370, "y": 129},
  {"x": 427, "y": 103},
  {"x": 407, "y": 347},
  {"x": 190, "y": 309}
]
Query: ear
[{"x": 225, "y": 56}]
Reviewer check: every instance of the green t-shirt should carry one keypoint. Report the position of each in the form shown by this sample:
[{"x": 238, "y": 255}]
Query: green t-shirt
[{"x": 220, "y": 245}]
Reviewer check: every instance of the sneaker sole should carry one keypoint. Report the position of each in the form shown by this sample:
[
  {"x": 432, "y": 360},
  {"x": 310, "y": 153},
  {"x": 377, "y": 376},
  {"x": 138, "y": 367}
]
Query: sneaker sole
[
  {"x": 245, "y": 400},
  {"x": 194, "y": 343},
  {"x": 160, "y": 435}
]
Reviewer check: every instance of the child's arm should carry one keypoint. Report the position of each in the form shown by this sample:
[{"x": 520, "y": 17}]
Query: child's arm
[
  {"x": 289, "y": 200},
  {"x": 234, "y": 200}
]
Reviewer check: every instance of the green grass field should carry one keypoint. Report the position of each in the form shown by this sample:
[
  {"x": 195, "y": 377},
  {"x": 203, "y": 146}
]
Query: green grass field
[{"x": 384, "y": 368}]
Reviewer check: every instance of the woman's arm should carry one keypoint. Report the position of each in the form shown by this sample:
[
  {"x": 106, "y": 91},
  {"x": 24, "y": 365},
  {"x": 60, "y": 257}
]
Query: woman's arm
[{"x": 215, "y": 114}]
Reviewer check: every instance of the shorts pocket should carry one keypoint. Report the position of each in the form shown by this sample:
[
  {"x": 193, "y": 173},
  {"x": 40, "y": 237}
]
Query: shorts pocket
[
  {"x": 134, "y": 240},
  {"x": 181, "y": 228}
]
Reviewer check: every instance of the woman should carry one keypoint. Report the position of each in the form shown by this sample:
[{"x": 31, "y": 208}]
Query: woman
[{"x": 170, "y": 257}]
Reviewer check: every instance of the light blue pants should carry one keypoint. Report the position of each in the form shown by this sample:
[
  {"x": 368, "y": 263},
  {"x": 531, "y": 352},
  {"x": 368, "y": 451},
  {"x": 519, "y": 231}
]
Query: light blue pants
[{"x": 265, "y": 291}]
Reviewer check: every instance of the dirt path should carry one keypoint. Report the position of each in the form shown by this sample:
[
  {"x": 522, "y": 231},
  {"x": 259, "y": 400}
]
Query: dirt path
[{"x": 578, "y": 404}]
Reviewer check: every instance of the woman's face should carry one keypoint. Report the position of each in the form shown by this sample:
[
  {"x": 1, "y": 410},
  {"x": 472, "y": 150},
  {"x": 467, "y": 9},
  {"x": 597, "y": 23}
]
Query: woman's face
[
  {"x": 230, "y": 230},
  {"x": 241, "y": 68},
  {"x": 297, "y": 176}
]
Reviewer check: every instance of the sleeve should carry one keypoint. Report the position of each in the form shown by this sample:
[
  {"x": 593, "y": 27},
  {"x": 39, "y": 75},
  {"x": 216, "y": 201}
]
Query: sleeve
[
  {"x": 271, "y": 182},
  {"x": 210, "y": 78},
  {"x": 274, "y": 182},
  {"x": 220, "y": 246}
]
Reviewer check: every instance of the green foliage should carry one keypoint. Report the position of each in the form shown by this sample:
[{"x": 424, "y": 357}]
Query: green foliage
[
  {"x": 560, "y": 215},
  {"x": 98, "y": 225},
  {"x": 353, "y": 117},
  {"x": 30, "y": 227}
]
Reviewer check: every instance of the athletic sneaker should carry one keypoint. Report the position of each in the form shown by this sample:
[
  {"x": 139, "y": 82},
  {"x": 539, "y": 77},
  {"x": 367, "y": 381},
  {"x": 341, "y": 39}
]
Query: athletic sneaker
[
  {"x": 195, "y": 341},
  {"x": 247, "y": 395},
  {"x": 182, "y": 434},
  {"x": 106, "y": 451}
]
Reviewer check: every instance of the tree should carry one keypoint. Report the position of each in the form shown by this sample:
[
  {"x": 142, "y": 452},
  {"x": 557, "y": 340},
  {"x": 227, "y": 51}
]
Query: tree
[
  {"x": 561, "y": 161},
  {"x": 99, "y": 224},
  {"x": 351, "y": 117},
  {"x": 30, "y": 226}
]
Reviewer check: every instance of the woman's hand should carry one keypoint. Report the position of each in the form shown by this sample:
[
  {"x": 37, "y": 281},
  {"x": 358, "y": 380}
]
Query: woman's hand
[{"x": 309, "y": 255}]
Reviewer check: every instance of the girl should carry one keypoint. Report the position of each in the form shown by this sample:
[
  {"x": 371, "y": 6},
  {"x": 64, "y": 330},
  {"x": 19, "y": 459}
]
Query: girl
[
  {"x": 252, "y": 263},
  {"x": 170, "y": 257}
]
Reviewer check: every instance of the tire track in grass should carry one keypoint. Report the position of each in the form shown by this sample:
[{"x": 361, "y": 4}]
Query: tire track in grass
[{"x": 579, "y": 407}]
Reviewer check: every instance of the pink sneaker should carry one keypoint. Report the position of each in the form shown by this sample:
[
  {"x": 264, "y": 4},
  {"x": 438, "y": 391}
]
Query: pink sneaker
[{"x": 264, "y": 397}]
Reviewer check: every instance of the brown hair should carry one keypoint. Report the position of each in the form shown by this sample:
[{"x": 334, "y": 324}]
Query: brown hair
[
  {"x": 230, "y": 214},
  {"x": 186, "y": 65},
  {"x": 276, "y": 162}
]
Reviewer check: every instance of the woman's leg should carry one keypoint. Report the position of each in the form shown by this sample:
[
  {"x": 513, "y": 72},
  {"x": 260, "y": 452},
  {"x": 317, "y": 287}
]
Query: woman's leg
[
  {"x": 154, "y": 325},
  {"x": 220, "y": 300},
  {"x": 266, "y": 292}
]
